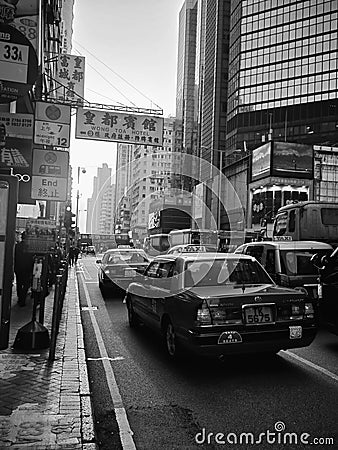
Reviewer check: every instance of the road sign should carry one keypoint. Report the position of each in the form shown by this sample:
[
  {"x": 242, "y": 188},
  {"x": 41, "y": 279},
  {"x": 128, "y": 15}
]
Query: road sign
[
  {"x": 18, "y": 64},
  {"x": 52, "y": 124},
  {"x": 53, "y": 163},
  {"x": 49, "y": 188}
]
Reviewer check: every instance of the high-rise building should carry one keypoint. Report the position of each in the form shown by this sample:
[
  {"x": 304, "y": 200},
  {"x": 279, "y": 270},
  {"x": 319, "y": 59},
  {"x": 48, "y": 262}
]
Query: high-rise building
[
  {"x": 123, "y": 183},
  {"x": 99, "y": 218},
  {"x": 283, "y": 76},
  {"x": 151, "y": 177}
]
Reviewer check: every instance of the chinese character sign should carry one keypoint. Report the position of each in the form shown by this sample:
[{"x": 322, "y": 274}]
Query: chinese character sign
[
  {"x": 70, "y": 73},
  {"x": 119, "y": 127}
]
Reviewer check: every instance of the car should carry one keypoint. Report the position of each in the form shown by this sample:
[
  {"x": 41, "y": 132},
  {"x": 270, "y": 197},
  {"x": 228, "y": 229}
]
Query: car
[
  {"x": 118, "y": 267},
  {"x": 191, "y": 248},
  {"x": 289, "y": 262},
  {"x": 219, "y": 304},
  {"x": 327, "y": 267},
  {"x": 90, "y": 250}
]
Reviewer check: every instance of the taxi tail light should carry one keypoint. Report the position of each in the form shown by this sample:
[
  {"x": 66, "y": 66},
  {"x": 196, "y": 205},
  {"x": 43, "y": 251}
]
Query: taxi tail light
[
  {"x": 309, "y": 311},
  {"x": 203, "y": 316}
]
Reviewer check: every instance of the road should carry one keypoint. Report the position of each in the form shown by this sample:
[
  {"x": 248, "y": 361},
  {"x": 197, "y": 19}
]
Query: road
[{"x": 197, "y": 404}]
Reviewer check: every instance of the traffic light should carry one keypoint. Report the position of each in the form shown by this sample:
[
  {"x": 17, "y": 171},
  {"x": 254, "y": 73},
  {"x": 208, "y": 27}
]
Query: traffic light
[{"x": 68, "y": 220}]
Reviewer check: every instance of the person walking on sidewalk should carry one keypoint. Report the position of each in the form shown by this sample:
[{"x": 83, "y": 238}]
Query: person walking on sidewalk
[
  {"x": 71, "y": 255},
  {"x": 23, "y": 268}
]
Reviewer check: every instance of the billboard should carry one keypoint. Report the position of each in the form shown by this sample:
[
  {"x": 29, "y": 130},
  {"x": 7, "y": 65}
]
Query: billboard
[
  {"x": 112, "y": 126},
  {"x": 16, "y": 135},
  {"x": 261, "y": 162},
  {"x": 292, "y": 160}
]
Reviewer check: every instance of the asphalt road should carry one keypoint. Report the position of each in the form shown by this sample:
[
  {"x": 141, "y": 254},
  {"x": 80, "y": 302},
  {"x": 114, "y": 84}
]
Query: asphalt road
[{"x": 197, "y": 404}]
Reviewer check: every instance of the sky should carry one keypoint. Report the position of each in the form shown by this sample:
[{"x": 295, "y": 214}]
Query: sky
[{"x": 130, "y": 48}]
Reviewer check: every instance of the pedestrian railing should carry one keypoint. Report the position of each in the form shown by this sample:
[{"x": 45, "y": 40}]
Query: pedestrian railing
[{"x": 59, "y": 295}]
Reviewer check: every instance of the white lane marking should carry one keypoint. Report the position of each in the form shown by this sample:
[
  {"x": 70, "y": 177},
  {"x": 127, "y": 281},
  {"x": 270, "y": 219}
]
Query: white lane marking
[
  {"x": 126, "y": 434},
  {"x": 117, "y": 358},
  {"x": 312, "y": 365}
]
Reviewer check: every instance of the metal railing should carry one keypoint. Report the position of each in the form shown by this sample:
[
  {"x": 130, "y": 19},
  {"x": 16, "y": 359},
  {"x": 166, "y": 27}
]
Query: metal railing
[{"x": 59, "y": 295}]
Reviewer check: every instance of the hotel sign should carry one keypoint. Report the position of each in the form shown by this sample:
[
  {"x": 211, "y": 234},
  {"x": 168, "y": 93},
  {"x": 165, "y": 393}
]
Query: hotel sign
[{"x": 115, "y": 126}]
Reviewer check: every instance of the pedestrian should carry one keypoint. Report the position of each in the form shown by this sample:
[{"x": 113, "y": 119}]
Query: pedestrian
[
  {"x": 71, "y": 255},
  {"x": 76, "y": 254},
  {"x": 23, "y": 268}
]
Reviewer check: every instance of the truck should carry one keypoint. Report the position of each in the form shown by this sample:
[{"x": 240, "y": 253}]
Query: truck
[{"x": 307, "y": 221}]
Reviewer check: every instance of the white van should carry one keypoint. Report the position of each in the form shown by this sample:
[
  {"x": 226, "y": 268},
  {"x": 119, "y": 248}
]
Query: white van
[{"x": 289, "y": 262}]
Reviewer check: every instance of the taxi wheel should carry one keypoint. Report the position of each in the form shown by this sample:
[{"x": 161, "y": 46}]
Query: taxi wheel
[
  {"x": 170, "y": 340},
  {"x": 133, "y": 319}
]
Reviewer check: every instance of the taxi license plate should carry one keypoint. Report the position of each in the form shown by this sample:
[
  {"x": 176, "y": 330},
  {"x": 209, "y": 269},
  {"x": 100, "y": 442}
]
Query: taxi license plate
[
  {"x": 258, "y": 315},
  {"x": 129, "y": 273}
]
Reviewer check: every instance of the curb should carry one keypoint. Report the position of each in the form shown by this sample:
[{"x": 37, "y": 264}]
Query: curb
[{"x": 87, "y": 418}]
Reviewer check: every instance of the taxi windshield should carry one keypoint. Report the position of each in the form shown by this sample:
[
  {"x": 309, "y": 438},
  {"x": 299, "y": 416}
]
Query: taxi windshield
[
  {"x": 122, "y": 257},
  {"x": 224, "y": 272},
  {"x": 298, "y": 262}
]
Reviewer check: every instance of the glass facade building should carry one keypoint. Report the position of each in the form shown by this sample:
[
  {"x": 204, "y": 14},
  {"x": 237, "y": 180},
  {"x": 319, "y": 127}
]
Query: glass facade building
[{"x": 283, "y": 72}]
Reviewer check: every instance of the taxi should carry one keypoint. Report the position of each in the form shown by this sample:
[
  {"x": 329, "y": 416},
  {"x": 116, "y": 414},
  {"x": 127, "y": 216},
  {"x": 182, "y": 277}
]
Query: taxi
[{"x": 219, "y": 304}]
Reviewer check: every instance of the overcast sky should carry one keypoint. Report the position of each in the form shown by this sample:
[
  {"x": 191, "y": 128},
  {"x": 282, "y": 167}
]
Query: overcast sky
[{"x": 130, "y": 48}]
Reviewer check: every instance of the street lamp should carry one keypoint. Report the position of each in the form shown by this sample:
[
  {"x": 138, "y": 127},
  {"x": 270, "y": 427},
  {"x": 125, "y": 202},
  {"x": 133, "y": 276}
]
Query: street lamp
[
  {"x": 231, "y": 155},
  {"x": 79, "y": 171}
]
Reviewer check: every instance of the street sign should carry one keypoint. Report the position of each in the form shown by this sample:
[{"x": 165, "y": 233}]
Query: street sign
[
  {"x": 49, "y": 188},
  {"x": 18, "y": 64},
  {"x": 52, "y": 124},
  {"x": 53, "y": 163}
]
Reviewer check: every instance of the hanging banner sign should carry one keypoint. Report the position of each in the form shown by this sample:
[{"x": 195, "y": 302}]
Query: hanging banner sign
[
  {"x": 119, "y": 127},
  {"x": 18, "y": 64},
  {"x": 52, "y": 124},
  {"x": 70, "y": 73}
]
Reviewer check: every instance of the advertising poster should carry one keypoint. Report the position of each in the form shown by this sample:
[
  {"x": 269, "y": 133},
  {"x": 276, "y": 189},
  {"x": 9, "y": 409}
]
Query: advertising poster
[
  {"x": 16, "y": 135},
  {"x": 119, "y": 127},
  {"x": 292, "y": 160},
  {"x": 261, "y": 161}
]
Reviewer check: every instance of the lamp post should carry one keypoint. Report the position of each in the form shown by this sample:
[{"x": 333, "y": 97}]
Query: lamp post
[
  {"x": 219, "y": 188},
  {"x": 79, "y": 171}
]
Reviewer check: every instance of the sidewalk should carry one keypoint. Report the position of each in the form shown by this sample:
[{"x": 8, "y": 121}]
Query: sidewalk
[{"x": 47, "y": 405}]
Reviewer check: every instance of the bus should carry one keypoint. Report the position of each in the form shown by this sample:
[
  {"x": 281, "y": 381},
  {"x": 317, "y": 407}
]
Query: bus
[
  {"x": 222, "y": 240},
  {"x": 103, "y": 242},
  {"x": 190, "y": 236},
  {"x": 228, "y": 241},
  {"x": 305, "y": 221},
  {"x": 156, "y": 244}
]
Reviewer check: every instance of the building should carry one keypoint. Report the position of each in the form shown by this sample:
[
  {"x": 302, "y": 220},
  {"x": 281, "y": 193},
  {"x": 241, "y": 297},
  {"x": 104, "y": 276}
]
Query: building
[
  {"x": 101, "y": 205},
  {"x": 123, "y": 175},
  {"x": 151, "y": 176},
  {"x": 186, "y": 123},
  {"x": 265, "y": 71},
  {"x": 283, "y": 73}
]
